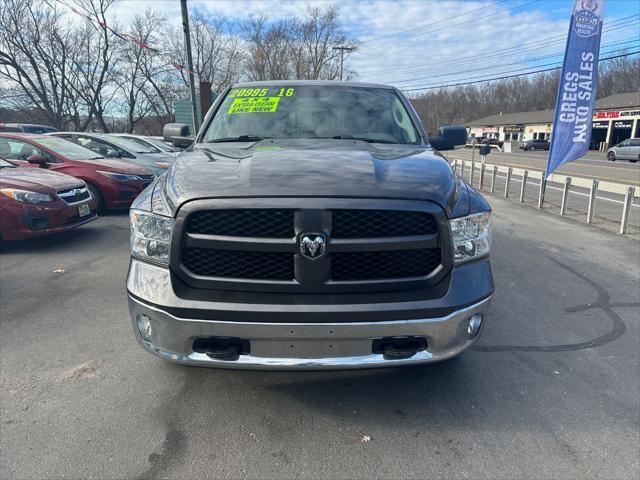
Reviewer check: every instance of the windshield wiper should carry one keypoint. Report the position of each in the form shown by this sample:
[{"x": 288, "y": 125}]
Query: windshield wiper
[
  {"x": 364, "y": 139},
  {"x": 241, "y": 138}
]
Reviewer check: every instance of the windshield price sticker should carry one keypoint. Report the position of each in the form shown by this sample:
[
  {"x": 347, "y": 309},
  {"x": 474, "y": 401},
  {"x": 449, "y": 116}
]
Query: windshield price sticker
[
  {"x": 260, "y": 92},
  {"x": 254, "y": 105}
]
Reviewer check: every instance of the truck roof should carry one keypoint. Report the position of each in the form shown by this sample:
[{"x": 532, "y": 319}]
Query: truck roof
[{"x": 334, "y": 83}]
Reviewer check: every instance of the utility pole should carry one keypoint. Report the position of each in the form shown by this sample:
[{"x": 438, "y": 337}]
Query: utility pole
[
  {"x": 342, "y": 50},
  {"x": 187, "y": 43}
]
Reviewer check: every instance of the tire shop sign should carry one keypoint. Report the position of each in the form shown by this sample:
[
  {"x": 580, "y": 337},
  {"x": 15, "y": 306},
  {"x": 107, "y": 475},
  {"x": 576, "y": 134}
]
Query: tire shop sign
[{"x": 616, "y": 114}]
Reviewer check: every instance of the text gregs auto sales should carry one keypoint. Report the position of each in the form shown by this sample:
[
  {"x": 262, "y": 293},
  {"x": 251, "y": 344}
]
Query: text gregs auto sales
[{"x": 578, "y": 88}]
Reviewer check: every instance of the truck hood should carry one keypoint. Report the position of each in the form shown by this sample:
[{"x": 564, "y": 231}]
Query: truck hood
[
  {"x": 36, "y": 180},
  {"x": 310, "y": 168}
]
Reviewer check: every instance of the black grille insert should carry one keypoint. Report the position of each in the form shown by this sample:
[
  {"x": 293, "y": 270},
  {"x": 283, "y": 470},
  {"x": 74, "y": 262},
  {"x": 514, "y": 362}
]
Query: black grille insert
[
  {"x": 272, "y": 223},
  {"x": 239, "y": 264},
  {"x": 384, "y": 265},
  {"x": 74, "y": 195},
  {"x": 381, "y": 223}
]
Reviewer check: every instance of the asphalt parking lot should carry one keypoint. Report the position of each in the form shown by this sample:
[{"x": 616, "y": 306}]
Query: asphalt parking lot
[{"x": 551, "y": 390}]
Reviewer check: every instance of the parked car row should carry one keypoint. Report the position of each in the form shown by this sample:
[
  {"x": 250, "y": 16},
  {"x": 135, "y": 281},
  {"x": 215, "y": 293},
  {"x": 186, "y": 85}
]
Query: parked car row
[{"x": 60, "y": 180}]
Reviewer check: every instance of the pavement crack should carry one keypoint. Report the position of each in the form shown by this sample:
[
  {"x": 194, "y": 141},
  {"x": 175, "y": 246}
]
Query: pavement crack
[{"x": 602, "y": 302}]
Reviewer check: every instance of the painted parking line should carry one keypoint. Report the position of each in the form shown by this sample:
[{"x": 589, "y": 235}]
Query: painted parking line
[{"x": 586, "y": 161}]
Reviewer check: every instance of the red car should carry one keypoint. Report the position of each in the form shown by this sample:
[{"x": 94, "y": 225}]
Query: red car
[
  {"x": 113, "y": 183},
  {"x": 39, "y": 202}
]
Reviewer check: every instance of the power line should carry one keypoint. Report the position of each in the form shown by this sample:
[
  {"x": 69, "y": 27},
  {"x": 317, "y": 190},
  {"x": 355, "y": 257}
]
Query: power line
[
  {"x": 419, "y": 27},
  {"x": 507, "y": 76},
  {"x": 624, "y": 22},
  {"x": 477, "y": 59},
  {"x": 93, "y": 18},
  {"x": 523, "y": 61},
  {"x": 450, "y": 25}
]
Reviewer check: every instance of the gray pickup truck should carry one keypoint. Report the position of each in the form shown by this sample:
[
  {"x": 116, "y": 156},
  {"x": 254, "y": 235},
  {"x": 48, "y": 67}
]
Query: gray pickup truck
[{"x": 311, "y": 225}]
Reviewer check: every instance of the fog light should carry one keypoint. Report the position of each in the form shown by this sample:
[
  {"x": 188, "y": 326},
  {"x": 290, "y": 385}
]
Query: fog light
[
  {"x": 474, "y": 325},
  {"x": 144, "y": 327}
]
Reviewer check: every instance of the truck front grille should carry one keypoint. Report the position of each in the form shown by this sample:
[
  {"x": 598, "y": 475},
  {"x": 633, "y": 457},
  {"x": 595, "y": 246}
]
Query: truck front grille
[
  {"x": 357, "y": 266},
  {"x": 258, "y": 249},
  {"x": 238, "y": 264},
  {"x": 381, "y": 223},
  {"x": 274, "y": 223}
]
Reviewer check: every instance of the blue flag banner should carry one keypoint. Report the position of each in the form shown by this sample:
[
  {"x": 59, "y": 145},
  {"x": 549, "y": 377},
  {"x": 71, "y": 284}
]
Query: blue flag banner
[{"x": 571, "y": 135}]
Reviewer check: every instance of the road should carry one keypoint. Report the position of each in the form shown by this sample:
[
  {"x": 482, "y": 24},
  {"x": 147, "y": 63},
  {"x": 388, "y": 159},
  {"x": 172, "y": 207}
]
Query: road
[
  {"x": 592, "y": 165},
  {"x": 551, "y": 390}
]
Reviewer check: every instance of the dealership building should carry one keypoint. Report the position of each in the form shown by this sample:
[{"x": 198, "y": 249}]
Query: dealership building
[{"x": 615, "y": 119}]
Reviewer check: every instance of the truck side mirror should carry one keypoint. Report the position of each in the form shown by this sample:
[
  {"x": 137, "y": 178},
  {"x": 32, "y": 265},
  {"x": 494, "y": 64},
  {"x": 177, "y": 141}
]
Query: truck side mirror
[
  {"x": 177, "y": 134},
  {"x": 449, "y": 137}
]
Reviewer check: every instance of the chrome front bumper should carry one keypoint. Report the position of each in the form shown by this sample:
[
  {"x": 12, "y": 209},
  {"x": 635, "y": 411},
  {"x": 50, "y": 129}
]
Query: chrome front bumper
[{"x": 306, "y": 346}]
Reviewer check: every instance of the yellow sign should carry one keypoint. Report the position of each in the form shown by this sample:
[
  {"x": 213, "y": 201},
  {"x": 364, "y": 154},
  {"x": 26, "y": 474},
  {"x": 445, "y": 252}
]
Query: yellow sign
[{"x": 254, "y": 105}]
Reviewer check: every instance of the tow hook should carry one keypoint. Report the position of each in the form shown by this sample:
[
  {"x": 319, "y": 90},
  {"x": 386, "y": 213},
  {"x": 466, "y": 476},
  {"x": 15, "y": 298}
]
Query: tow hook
[
  {"x": 397, "y": 348},
  {"x": 220, "y": 348}
]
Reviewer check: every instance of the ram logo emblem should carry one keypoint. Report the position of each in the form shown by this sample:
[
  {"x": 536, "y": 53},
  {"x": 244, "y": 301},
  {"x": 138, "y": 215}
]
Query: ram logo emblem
[{"x": 313, "y": 245}]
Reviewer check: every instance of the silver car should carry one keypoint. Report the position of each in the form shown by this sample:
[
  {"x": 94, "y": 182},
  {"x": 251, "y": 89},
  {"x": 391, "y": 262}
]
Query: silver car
[
  {"x": 118, "y": 147},
  {"x": 150, "y": 142},
  {"x": 626, "y": 150}
]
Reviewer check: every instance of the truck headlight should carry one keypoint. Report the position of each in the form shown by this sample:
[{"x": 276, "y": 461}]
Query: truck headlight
[
  {"x": 471, "y": 236},
  {"x": 150, "y": 236}
]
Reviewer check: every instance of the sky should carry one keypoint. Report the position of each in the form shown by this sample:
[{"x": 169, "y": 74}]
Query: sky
[{"x": 420, "y": 43}]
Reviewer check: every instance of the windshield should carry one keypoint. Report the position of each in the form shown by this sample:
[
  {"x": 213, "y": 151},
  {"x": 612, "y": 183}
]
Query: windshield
[
  {"x": 37, "y": 129},
  {"x": 131, "y": 145},
  {"x": 312, "y": 111},
  {"x": 159, "y": 144},
  {"x": 67, "y": 149},
  {"x": 4, "y": 163}
]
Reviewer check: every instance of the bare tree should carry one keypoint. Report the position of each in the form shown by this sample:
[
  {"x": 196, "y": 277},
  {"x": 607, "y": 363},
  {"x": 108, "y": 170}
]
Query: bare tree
[
  {"x": 269, "y": 47},
  {"x": 321, "y": 31},
  {"x": 93, "y": 63},
  {"x": 619, "y": 75},
  {"x": 35, "y": 46},
  {"x": 134, "y": 66},
  {"x": 217, "y": 55},
  {"x": 536, "y": 92},
  {"x": 296, "y": 48}
]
